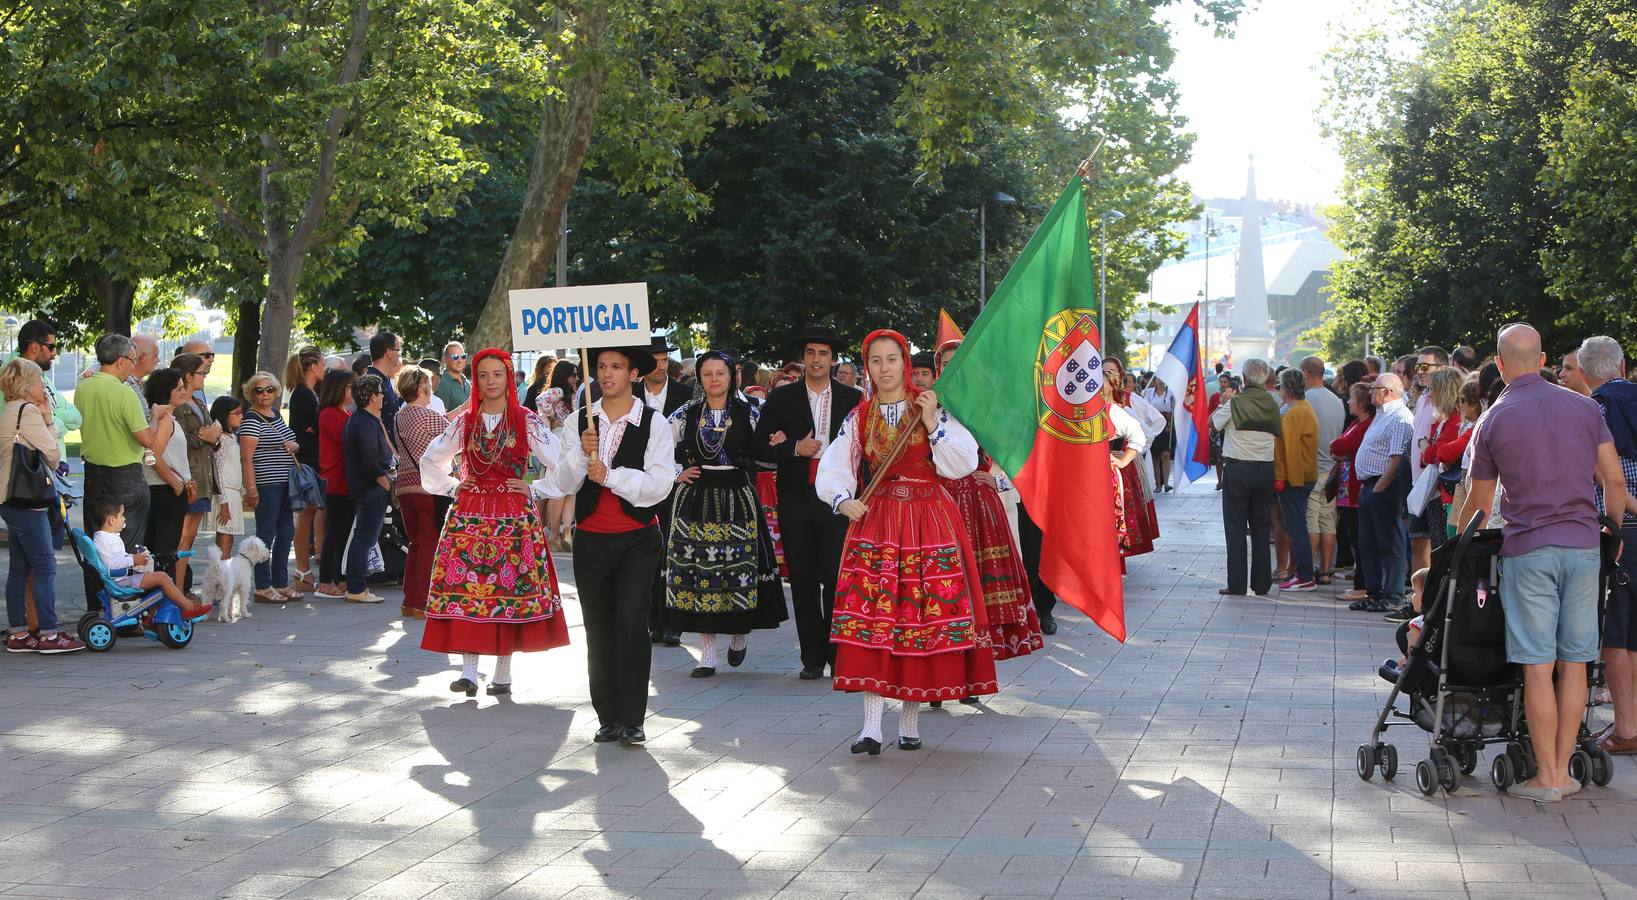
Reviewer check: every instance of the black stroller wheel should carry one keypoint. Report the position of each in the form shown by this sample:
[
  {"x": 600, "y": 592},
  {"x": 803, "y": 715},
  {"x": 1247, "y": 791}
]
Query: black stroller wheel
[
  {"x": 1523, "y": 762},
  {"x": 1389, "y": 761},
  {"x": 1425, "y": 778},
  {"x": 1366, "y": 761},
  {"x": 1449, "y": 777},
  {"x": 1602, "y": 768},
  {"x": 1500, "y": 771},
  {"x": 1468, "y": 755},
  {"x": 1580, "y": 766}
]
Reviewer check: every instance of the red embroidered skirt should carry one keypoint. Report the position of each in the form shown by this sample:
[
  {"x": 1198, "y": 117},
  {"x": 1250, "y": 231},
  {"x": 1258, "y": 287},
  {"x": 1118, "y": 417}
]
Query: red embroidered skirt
[
  {"x": 1136, "y": 521},
  {"x": 1014, "y": 627},
  {"x": 494, "y": 588},
  {"x": 767, "y": 491},
  {"x": 906, "y": 625}
]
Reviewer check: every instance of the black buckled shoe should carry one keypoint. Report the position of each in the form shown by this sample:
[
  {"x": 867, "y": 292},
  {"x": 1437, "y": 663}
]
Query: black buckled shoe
[
  {"x": 909, "y": 743},
  {"x": 1048, "y": 625},
  {"x": 811, "y": 674},
  {"x": 736, "y": 658},
  {"x": 867, "y": 745},
  {"x": 671, "y": 639},
  {"x": 499, "y": 690},
  {"x": 633, "y": 735},
  {"x": 464, "y": 686},
  {"x": 702, "y": 672},
  {"x": 608, "y": 733}
]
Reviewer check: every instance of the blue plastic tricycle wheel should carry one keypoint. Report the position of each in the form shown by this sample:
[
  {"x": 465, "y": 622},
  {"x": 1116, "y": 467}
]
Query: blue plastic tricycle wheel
[
  {"x": 97, "y": 633},
  {"x": 176, "y": 635}
]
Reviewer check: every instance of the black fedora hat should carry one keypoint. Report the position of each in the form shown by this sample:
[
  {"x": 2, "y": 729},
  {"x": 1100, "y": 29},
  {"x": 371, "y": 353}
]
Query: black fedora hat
[
  {"x": 642, "y": 358},
  {"x": 661, "y": 344},
  {"x": 819, "y": 334}
]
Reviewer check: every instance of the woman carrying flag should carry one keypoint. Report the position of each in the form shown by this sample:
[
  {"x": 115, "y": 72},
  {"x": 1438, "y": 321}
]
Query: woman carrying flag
[{"x": 909, "y": 622}]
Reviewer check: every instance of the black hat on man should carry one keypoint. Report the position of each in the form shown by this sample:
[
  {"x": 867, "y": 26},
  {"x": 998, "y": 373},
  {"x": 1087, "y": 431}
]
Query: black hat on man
[
  {"x": 661, "y": 345},
  {"x": 818, "y": 334},
  {"x": 922, "y": 360},
  {"x": 642, "y": 358}
]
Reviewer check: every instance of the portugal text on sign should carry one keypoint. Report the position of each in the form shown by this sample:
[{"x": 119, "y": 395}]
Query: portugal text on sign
[
  {"x": 592, "y": 315},
  {"x": 578, "y": 320}
]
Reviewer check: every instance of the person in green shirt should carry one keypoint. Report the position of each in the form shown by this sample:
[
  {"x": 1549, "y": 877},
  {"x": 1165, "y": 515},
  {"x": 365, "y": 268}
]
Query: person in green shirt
[
  {"x": 453, "y": 387},
  {"x": 113, "y": 435}
]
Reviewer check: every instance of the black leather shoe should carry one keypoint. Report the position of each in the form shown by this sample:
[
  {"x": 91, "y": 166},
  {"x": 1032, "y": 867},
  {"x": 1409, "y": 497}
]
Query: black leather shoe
[
  {"x": 905, "y": 743},
  {"x": 632, "y": 736},
  {"x": 1048, "y": 625},
  {"x": 867, "y": 745},
  {"x": 608, "y": 733},
  {"x": 654, "y": 634},
  {"x": 464, "y": 686},
  {"x": 702, "y": 672},
  {"x": 499, "y": 690},
  {"x": 811, "y": 674},
  {"x": 969, "y": 701},
  {"x": 936, "y": 704},
  {"x": 671, "y": 639},
  {"x": 1230, "y": 592},
  {"x": 736, "y": 658}
]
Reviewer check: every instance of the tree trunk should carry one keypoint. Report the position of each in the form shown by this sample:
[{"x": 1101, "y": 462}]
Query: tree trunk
[
  {"x": 117, "y": 297},
  {"x": 278, "y": 315},
  {"x": 559, "y": 152},
  {"x": 246, "y": 338}
]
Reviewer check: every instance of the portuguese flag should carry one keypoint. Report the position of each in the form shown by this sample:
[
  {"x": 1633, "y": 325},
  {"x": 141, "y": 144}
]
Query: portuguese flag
[{"x": 1026, "y": 382}]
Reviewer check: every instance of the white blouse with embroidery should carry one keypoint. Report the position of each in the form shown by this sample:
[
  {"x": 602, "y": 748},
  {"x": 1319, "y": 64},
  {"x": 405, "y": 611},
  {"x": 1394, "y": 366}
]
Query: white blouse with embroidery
[
  {"x": 954, "y": 453},
  {"x": 438, "y": 462}
]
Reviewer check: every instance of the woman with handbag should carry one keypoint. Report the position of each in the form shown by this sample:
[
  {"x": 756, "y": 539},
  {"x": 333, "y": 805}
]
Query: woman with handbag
[
  {"x": 171, "y": 487},
  {"x": 267, "y": 450},
  {"x": 418, "y": 425},
  {"x": 28, "y": 454},
  {"x": 201, "y": 434},
  {"x": 301, "y": 375}
]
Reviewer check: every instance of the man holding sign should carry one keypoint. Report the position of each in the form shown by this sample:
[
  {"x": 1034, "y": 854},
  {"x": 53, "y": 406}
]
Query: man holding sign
[{"x": 618, "y": 464}]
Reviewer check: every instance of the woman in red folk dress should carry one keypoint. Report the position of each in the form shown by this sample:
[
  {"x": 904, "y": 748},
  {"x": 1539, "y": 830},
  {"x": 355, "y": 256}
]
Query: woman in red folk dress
[
  {"x": 1014, "y": 626},
  {"x": 494, "y": 589},
  {"x": 909, "y": 619},
  {"x": 1134, "y": 515}
]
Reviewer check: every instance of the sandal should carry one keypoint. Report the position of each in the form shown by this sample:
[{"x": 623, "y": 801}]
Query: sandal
[
  {"x": 291, "y": 593},
  {"x": 271, "y": 595},
  {"x": 306, "y": 579},
  {"x": 1281, "y": 575},
  {"x": 1324, "y": 577}
]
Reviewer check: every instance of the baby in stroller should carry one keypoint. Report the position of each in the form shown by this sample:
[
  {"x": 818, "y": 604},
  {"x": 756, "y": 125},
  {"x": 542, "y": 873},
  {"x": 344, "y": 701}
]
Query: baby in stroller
[
  {"x": 109, "y": 514},
  {"x": 1409, "y": 633}
]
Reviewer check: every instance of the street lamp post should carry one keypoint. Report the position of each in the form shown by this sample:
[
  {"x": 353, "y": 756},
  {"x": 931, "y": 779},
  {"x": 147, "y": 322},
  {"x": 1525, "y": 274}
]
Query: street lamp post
[
  {"x": 1001, "y": 198},
  {"x": 1205, "y": 307},
  {"x": 1112, "y": 215}
]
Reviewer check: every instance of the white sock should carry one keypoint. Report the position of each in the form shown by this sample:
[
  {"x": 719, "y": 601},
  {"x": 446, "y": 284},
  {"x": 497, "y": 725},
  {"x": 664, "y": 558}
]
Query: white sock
[
  {"x": 707, "y": 651},
  {"x": 874, "y": 704},
  {"x": 909, "y": 719},
  {"x": 738, "y": 642},
  {"x": 503, "y": 670},
  {"x": 468, "y": 666}
]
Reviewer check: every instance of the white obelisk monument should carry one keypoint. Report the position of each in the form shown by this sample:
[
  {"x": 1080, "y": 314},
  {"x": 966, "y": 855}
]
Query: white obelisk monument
[{"x": 1251, "y": 334}]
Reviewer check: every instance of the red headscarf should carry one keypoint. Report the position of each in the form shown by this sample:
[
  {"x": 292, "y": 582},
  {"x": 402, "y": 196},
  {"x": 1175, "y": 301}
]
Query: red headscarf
[
  {"x": 516, "y": 415},
  {"x": 910, "y": 390}
]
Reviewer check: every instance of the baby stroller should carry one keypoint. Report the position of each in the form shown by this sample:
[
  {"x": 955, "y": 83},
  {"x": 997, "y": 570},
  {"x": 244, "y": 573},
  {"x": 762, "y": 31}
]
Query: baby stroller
[
  {"x": 159, "y": 618},
  {"x": 1461, "y": 688}
]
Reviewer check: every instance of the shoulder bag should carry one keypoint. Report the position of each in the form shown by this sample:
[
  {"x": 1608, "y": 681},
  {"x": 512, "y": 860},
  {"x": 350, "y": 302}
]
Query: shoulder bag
[{"x": 31, "y": 482}]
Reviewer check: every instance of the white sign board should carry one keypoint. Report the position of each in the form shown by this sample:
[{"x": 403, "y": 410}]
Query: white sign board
[{"x": 592, "y": 315}]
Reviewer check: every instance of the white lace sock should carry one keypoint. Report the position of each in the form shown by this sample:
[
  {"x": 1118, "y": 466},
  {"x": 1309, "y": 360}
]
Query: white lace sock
[
  {"x": 707, "y": 651},
  {"x": 503, "y": 669},
  {"x": 874, "y": 704},
  {"x": 909, "y": 719},
  {"x": 468, "y": 667},
  {"x": 738, "y": 642}
]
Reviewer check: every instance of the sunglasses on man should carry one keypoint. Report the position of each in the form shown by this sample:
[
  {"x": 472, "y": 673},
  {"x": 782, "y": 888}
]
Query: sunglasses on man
[{"x": 457, "y": 357}]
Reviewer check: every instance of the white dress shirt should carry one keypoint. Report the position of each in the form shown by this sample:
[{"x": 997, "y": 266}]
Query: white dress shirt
[{"x": 647, "y": 486}]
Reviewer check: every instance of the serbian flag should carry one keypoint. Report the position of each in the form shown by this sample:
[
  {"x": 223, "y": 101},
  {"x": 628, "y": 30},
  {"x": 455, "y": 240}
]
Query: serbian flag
[
  {"x": 1183, "y": 371},
  {"x": 1027, "y": 383}
]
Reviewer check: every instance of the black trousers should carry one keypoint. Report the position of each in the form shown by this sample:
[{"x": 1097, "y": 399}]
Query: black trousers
[
  {"x": 812, "y": 536},
  {"x": 126, "y": 484},
  {"x": 614, "y": 574},
  {"x": 166, "y": 509},
  {"x": 656, "y": 599},
  {"x": 1247, "y": 511},
  {"x": 1028, "y": 539},
  {"x": 338, "y": 515}
]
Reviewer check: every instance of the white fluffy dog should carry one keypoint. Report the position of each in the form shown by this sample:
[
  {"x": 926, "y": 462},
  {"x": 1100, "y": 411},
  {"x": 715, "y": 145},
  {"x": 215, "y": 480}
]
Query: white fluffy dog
[{"x": 230, "y": 584}]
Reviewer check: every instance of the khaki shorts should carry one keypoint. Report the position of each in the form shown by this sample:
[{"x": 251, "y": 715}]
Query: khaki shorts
[{"x": 1321, "y": 513}]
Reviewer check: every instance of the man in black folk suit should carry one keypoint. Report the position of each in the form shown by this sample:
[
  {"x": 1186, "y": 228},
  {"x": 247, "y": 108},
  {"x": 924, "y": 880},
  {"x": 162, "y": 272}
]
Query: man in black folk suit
[
  {"x": 798, "y": 421},
  {"x": 664, "y": 395}
]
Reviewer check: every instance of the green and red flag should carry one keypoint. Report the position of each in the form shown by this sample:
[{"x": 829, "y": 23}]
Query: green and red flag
[{"x": 1027, "y": 382}]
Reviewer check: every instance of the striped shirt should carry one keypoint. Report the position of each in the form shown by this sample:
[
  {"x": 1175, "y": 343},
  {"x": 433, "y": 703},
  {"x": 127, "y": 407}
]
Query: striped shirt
[
  {"x": 271, "y": 460},
  {"x": 1389, "y": 436}
]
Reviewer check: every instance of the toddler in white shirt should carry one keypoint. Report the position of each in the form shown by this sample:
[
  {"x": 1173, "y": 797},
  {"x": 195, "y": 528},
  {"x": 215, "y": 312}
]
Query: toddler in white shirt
[{"x": 110, "y": 513}]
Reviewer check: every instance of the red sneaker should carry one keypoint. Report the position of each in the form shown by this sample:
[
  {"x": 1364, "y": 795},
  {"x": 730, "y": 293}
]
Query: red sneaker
[
  {"x": 22, "y": 642},
  {"x": 199, "y": 612},
  {"x": 60, "y": 643}
]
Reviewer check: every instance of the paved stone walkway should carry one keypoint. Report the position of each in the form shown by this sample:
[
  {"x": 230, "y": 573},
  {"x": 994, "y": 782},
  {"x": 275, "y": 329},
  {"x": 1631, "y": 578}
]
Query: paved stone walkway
[{"x": 314, "y": 751}]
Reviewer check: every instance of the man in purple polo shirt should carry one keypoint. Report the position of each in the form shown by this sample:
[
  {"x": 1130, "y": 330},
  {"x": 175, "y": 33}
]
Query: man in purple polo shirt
[{"x": 1548, "y": 444}]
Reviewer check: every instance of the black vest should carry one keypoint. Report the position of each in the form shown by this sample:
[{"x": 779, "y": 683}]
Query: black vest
[
  {"x": 631, "y": 454},
  {"x": 737, "y": 442}
]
